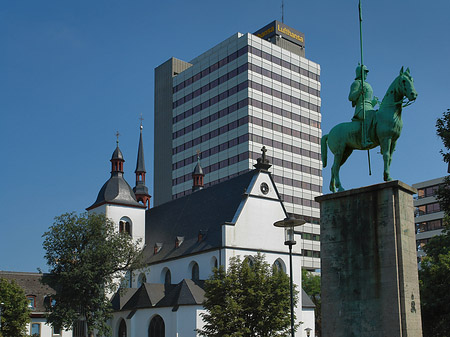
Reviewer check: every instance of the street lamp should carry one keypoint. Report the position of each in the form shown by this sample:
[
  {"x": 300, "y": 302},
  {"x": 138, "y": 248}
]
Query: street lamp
[
  {"x": 288, "y": 224},
  {"x": 308, "y": 332}
]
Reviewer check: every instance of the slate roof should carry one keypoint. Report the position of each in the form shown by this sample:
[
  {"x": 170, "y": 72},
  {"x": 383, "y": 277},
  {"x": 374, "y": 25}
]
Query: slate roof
[
  {"x": 140, "y": 163},
  {"x": 306, "y": 301},
  {"x": 204, "y": 210},
  {"x": 31, "y": 284},
  {"x": 116, "y": 191},
  {"x": 150, "y": 295}
]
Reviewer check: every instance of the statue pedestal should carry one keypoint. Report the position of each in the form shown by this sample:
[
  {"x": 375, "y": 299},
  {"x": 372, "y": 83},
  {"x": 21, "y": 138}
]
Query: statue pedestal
[{"x": 370, "y": 284}]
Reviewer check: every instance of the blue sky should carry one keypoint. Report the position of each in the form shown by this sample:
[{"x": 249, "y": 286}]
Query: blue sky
[{"x": 72, "y": 73}]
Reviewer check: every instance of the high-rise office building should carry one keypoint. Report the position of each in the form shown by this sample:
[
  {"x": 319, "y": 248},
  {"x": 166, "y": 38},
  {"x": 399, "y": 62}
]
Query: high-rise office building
[
  {"x": 428, "y": 213},
  {"x": 249, "y": 91}
]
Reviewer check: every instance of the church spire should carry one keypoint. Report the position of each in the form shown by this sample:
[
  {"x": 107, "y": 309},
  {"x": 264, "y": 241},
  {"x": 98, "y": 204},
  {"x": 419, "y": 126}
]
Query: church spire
[
  {"x": 197, "y": 175},
  {"x": 117, "y": 159},
  {"x": 140, "y": 190}
]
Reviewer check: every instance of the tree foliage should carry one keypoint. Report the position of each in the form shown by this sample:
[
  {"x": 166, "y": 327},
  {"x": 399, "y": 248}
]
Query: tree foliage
[
  {"x": 249, "y": 299},
  {"x": 311, "y": 285},
  {"x": 15, "y": 313},
  {"x": 434, "y": 273},
  {"x": 86, "y": 257}
]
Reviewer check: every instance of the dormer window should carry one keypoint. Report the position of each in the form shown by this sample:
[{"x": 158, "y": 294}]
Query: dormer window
[
  {"x": 179, "y": 240},
  {"x": 202, "y": 234},
  {"x": 157, "y": 247},
  {"x": 31, "y": 302}
]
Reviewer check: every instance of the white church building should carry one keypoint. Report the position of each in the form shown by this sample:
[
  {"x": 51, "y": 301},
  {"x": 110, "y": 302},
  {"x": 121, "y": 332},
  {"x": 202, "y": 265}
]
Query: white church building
[{"x": 186, "y": 238}]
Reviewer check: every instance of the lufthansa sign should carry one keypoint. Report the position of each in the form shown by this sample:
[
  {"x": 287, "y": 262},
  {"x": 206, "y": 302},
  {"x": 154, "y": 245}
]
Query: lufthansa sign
[{"x": 278, "y": 28}]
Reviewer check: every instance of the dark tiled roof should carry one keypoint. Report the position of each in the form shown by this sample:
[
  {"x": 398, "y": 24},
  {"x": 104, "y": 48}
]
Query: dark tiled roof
[
  {"x": 140, "y": 164},
  {"x": 149, "y": 295},
  {"x": 204, "y": 210},
  {"x": 306, "y": 301},
  {"x": 116, "y": 191},
  {"x": 31, "y": 284},
  {"x": 117, "y": 154}
]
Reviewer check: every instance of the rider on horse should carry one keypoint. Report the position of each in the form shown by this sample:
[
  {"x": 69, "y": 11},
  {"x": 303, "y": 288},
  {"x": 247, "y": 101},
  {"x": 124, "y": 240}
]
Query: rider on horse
[{"x": 358, "y": 90}]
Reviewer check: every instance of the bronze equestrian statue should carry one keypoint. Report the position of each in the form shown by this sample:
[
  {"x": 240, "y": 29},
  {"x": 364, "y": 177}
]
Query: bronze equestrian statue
[{"x": 383, "y": 126}]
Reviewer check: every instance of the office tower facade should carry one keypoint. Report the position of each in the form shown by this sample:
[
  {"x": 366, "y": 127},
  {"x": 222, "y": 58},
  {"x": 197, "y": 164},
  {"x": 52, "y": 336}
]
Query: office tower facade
[
  {"x": 249, "y": 91},
  {"x": 428, "y": 213}
]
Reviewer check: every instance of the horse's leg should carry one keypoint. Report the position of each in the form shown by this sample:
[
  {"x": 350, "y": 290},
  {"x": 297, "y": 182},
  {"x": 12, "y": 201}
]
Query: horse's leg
[
  {"x": 386, "y": 150},
  {"x": 347, "y": 152},
  {"x": 335, "y": 170}
]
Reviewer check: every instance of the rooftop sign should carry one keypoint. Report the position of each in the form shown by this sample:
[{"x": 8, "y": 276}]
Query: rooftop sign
[{"x": 280, "y": 29}]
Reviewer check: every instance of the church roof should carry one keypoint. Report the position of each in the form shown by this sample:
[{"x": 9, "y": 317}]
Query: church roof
[
  {"x": 306, "y": 301},
  {"x": 187, "y": 292},
  {"x": 31, "y": 285},
  {"x": 204, "y": 211},
  {"x": 116, "y": 191},
  {"x": 140, "y": 164},
  {"x": 117, "y": 154}
]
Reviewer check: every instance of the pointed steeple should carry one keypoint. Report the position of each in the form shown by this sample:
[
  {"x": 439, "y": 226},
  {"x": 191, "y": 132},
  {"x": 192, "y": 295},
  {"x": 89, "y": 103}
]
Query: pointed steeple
[
  {"x": 140, "y": 190},
  {"x": 197, "y": 175}
]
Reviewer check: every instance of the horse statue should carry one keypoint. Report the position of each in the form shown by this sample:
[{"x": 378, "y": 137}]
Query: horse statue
[{"x": 384, "y": 128}]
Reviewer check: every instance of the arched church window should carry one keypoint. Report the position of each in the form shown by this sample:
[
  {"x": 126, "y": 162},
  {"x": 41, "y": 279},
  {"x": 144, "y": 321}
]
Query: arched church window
[
  {"x": 278, "y": 265},
  {"x": 195, "y": 272},
  {"x": 122, "y": 328},
  {"x": 125, "y": 225},
  {"x": 141, "y": 279},
  {"x": 168, "y": 277},
  {"x": 157, "y": 327}
]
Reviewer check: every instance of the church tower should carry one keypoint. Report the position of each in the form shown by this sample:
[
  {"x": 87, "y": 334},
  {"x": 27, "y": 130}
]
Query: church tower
[
  {"x": 118, "y": 202},
  {"x": 197, "y": 176},
  {"x": 140, "y": 190}
]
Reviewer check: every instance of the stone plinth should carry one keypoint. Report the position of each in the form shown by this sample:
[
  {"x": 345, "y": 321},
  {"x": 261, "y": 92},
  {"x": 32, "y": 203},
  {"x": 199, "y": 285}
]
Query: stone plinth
[{"x": 370, "y": 284}]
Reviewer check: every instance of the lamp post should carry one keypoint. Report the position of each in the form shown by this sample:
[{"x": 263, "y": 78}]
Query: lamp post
[
  {"x": 308, "y": 332},
  {"x": 288, "y": 224}
]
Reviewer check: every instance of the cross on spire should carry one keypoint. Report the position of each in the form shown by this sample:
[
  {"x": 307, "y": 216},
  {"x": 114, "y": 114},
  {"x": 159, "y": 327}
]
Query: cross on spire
[
  {"x": 141, "y": 119},
  {"x": 117, "y": 135},
  {"x": 198, "y": 154}
]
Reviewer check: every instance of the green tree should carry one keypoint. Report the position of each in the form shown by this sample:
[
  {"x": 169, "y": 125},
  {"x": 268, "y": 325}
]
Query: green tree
[
  {"x": 249, "y": 299},
  {"x": 311, "y": 285},
  {"x": 15, "y": 313},
  {"x": 434, "y": 273},
  {"x": 86, "y": 257}
]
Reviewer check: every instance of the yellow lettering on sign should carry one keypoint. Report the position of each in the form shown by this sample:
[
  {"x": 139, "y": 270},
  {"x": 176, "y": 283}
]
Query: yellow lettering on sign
[
  {"x": 268, "y": 31},
  {"x": 288, "y": 32}
]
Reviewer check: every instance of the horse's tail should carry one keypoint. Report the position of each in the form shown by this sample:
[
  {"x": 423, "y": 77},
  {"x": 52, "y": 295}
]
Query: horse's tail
[{"x": 324, "y": 148}]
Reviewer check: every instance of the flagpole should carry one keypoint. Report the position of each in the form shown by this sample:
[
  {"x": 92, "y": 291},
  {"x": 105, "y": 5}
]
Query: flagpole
[{"x": 363, "y": 128}]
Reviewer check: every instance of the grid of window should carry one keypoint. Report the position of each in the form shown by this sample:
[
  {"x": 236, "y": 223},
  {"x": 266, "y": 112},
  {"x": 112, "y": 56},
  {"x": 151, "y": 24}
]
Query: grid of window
[
  {"x": 429, "y": 191},
  {"x": 281, "y": 146},
  {"x": 310, "y": 253},
  {"x": 284, "y": 113},
  {"x": 284, "y": 129},
  {"x": 210, "y": 135},
  {"x": 309, "y": 236},
  {"x": 428, "y": 209},
  {"x": 429, "y": 225},
  {"x": 253, "y": 102},
  {"x": 240, "y": 52},
  {"x": 210, "y": 85},
  {"x": 244, "y": 85},
  {"x": 283, "y": 79},
  {"x": 246, "y": 155},
  {"x": 285, "y": 97},
  {"x": 299, "y": 201}
]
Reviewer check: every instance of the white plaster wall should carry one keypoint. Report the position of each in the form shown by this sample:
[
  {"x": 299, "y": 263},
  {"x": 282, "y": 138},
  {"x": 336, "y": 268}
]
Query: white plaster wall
[
  {"x": 46, "y": 329},
  {"x": 308, "y": 322},
  {"x": 181, "y": 323},
  {"x": 136, "y": 215},
  {"x": 254, "y": 227}
]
